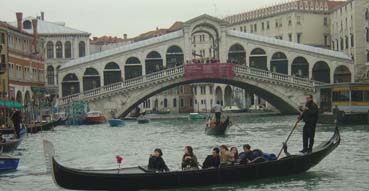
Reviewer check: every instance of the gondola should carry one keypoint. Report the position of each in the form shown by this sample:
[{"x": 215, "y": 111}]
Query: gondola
[
  {"x": 143, "y": 120},
  {"x": 219, "y": 129},
  {"x": 116, "y": 122},
  {"x": 138, "y": 178},
  {"x": 11, "y": 144},
  {"x": 44, "y": 126},
  {"x": 10, "y": 130}
]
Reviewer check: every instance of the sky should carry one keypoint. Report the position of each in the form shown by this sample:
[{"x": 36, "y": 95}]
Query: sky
[{"x": 117, "y": 17}]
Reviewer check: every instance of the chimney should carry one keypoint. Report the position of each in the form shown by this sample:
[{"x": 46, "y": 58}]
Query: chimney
[
  {"x": 125, "y": 36},
  {"x": 19, "y": 20},
  {"x": 42, "y": 15},
  {"x": 35, "y": 34}
]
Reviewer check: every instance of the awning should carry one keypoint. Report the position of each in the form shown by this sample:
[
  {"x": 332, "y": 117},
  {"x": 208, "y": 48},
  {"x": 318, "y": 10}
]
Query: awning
[
  {"x": 38, "y": 89},
  {"x": 11, "y": 104}
]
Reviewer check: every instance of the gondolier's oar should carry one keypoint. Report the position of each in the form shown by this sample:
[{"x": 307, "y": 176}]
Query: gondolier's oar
[{"x": 288, "y": 138}]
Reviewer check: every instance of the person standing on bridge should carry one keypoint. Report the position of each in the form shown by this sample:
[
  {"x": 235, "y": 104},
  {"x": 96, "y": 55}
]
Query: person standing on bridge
[{"x": 309, "y": 115}]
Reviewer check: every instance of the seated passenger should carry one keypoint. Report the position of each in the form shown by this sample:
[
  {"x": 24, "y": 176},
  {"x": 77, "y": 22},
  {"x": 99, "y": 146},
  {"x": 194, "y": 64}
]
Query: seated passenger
[
  {"x": 189, "y": 160},
  {"x": 246, "y": 155},
  {"x": 234, "y": 151},
  {"x": 212, "y": 161},
  {"x": 156, "y": 162},
  {"x": 2, "y": 140},
  {"x": 226, "y": 157}
]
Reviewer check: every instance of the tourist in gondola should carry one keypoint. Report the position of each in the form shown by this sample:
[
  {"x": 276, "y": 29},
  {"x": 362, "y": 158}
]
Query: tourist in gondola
[
  {"x": 234, "y": 151},
  {"x": 213, "y": 160},
  {"x": 2, "y": 140},
  {"x": 156, "y": 162},
  {"x": 189, "y": 160},
  {"x": 246, "y": 155},
  {"x": 309, "y": 115},
  {"x": 16, "y": 118},
  {"x": 226, "y": 157}
]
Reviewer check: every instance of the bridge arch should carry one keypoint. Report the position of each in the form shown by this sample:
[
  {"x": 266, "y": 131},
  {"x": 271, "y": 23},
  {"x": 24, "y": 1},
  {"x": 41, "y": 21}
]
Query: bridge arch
[
  {"x": 300, "y": 67},
  {"x": 70, "y": 85},
  {"x": 153, "y": 62},
  {"x": 213, "y": 32},
  {"x": 258, "y": 59},
  {"x": 341, "y": 74},
  {"x": 279, "y": 63},
  {"x": 174, "y": 56},
  {"x": 321, "y": 72},
  {"x": 112, "y": 73},
  {"x": 91, "y": 79},
  {"x": 237, "y": 54},
  {"x": 132, "y": 68},
  {"x": 269, "y": 91}
]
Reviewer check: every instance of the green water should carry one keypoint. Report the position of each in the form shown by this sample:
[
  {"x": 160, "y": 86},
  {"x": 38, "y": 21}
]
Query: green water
[{"x": 347, "y": 168}]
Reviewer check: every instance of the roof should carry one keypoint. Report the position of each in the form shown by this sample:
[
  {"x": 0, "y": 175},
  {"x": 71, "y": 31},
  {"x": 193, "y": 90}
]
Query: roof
[
  {"x": 284, "y": 43},
  {"x": 124, "y": 48},
  {"x": 46, "y": 27},
  {"x": 107, "y": 40}
]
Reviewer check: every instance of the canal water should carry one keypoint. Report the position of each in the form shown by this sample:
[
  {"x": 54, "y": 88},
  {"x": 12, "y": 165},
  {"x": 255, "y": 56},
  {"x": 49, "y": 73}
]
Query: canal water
[{"x": 347, "y": 168}]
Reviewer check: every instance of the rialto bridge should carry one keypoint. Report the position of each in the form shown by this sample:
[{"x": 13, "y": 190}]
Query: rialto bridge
[{"x": 282, "y": 72}]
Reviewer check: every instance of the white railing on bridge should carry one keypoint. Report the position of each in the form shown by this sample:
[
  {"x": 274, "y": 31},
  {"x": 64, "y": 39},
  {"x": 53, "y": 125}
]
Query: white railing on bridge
[{"x": 179, "y": 71}]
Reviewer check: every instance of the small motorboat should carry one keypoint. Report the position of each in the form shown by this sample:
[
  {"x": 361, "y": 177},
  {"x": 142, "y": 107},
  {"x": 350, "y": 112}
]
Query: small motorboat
[
  {"x": 195, "y": 116},
  {"x": 142, "y": 120},
  {"x": 140, "y": 178},
  {"x": 8, "y": 163},
  {"x": 116, "y": 122},
  {"x": 217, "y": 129},
  {"x": 94, "y": 117}
]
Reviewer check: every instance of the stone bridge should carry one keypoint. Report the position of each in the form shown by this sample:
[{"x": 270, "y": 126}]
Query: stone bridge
[{"x": 284, "y": 92}]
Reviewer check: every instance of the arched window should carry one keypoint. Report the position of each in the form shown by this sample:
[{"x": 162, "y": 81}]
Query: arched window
[
  {"x": 367, "y": 55},
  {"x": 279, "y": 63},
  {"x": 50, "y": 50},
  {"x": 68, "y": 49},
  {"x": 174, "y": 102},
  {"x": 70, "y": 85},
  {"x": 133, "y": 68},
  {"x": 174, "y": 56},
  {"x": 27, "y": 98},
  {"x": 59, "y": 49},
  {"x": 91, "y": 79},
  {"x": 50, "y": 75},
  {"x": 82, "y": 49},
  {"x": 321, "y": 72},
  {"x": 153, "y": 62},
  {"x": 165, "y": 102},
  {"x": 112, "y": 73},
  {"x": 300, "y": 67},
  {"x": 19, "y": 97},
  {"x": 342, "y": 74},
  {"x": 237, "y": 54},
  {"x": 258, "y": 59},
  {"x": 27, "y": 24}
]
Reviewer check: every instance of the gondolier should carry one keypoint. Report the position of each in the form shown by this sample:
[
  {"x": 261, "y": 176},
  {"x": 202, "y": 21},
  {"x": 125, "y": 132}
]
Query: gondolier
[
  {"x": 16, "y": 118},
  {"x": 217, "y": 109},
  {"x": 309, "y": 115}
]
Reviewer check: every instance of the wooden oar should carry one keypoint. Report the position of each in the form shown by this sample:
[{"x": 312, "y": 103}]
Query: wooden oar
[{"x": 288, "y": 138}]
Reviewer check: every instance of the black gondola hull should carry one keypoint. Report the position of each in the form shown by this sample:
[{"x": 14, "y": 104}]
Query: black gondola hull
[{"x": 137, "y": 178}]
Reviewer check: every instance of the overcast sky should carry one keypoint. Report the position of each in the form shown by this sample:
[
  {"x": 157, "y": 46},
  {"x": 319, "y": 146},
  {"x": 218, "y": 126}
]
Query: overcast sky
[{"x": 116, "y": 17}]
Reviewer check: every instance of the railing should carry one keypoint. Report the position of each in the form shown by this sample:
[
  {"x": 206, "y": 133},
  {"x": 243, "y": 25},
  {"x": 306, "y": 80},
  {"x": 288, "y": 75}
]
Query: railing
[
  {"x": 139, "y": 81},
  {"x": 242, "y": 71}
]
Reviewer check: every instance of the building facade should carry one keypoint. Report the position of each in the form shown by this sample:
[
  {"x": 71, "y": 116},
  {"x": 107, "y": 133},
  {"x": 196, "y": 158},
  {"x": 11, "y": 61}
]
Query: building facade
[
  {"x": 350, "y": 34},
  {"x": 25, "y": 65},
  {"x": 3, "y": 61},
  {"x": 59, "y": 44}
]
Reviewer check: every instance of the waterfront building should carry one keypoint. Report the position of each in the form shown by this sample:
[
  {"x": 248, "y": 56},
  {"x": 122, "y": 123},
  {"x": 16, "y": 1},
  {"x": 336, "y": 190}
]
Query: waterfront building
[
  {"x": 350, "y": 34},
  {"x": 26, "y": 73},
  {"x": 59, "y": 44},
  {"x": 100, "y": 44},
  {"x": 3, "y": 61}
]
